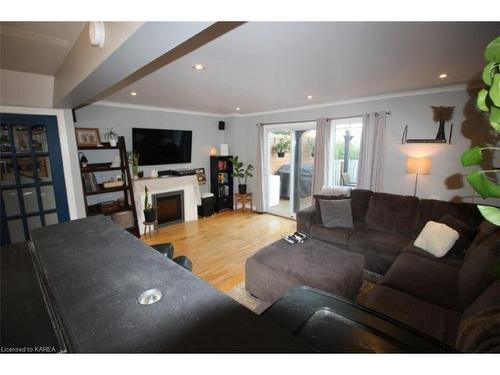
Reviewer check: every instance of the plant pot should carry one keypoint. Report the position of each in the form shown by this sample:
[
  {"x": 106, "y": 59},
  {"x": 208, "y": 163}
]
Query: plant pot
[
  {"x": 242, "y": 189},
  {"x": 113, "y": 142},
  {"x": 281, "y": 154},
  {"x": 150, "y": 215},
  {"x": 140, "y": 174},
  {"x": 312, "y": 154}
]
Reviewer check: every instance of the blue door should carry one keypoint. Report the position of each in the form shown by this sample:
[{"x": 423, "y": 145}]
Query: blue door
[{"x": 33, "y": 193}]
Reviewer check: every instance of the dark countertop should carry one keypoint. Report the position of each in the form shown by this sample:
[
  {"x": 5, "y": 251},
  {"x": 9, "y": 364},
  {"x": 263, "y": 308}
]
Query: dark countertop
[{"x": 94, "y": 272}]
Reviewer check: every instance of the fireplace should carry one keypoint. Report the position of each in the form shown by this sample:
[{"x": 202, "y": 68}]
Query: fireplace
[{"x": 169, "y": 207}]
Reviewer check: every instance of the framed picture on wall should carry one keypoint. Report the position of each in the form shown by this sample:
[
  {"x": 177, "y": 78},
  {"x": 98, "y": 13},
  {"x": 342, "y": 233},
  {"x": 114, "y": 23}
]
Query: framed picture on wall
[{"x": 87, "y": 137}]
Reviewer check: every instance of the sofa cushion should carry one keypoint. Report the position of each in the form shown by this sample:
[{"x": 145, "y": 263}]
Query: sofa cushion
[
  {"x": 379, "y": 248},
  {"x": 433, "y": 320},
  {"x": 425, "y": 279},
  {"x": 486, "y": 229},
  {"x": 466, "y": 235},
  {"x": 451, "y": 261},
  {"x": 486, "y": 300},
  {"x": 479, "y": 329},
  {"x": 359, "y": 204},
  {"x": 436, "y": 238},
  {"x": 336, "y": 213},
  {"x": 431, "y": 209},
  {"x": 337, "y": 236},
  {"x": 391, "y": 213},
  {"x": 378, "y": 241},
  {"x": 477, "y": 271}
]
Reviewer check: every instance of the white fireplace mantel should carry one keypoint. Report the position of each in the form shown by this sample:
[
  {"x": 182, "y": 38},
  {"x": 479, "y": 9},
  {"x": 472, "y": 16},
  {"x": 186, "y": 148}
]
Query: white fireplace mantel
[{"x": 189, "y": 184}]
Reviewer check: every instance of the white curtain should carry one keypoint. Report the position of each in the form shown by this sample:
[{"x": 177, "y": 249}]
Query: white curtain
[
  {"x": 372, "y": 152},
  {"x": 261, "y": 172},
  {"x": 321, "y": 154}
]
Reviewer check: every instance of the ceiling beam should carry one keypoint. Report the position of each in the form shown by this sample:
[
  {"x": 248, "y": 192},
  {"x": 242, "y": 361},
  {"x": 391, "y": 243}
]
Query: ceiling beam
[{"x": 203, "y": 37}]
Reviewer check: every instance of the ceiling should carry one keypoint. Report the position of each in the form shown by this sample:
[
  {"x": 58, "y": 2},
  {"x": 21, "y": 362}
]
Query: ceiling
[
  {"x": 36, "y": 47},
  {"x": 265, "y": 66}
]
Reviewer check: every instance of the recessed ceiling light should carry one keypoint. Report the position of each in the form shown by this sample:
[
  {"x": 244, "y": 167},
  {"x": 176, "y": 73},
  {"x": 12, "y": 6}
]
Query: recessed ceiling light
[
  {"x": 238, "y": 108},
  {"x": 198, "y": 67},
  {"x": 133, "y": 93},
  {"x": 443, "y": 75},
  {"x": 309, "y": 96}
]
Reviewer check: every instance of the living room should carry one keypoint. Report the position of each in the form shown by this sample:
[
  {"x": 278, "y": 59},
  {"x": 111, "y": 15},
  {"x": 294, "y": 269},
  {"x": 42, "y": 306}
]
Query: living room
[{"x": 285, "y": 186}]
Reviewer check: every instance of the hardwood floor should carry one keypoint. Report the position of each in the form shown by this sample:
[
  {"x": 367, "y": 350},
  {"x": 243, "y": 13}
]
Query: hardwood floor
[{"x": 219, "y": 245}]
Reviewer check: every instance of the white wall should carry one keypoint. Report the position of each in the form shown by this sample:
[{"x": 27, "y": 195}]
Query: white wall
[
  {"x": 412, "y": 109},
  {"x": 123, "y": 118},
  {"x": 25, "y": 89}
]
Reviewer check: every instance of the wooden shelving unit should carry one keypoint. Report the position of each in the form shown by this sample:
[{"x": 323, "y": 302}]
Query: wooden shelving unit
[
  {"x": 221, "y": 182},
  {"x": 126, "y": 188}
]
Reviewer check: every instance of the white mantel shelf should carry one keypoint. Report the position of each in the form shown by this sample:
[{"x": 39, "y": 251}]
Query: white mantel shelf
[{"x": 189, "y": 184}]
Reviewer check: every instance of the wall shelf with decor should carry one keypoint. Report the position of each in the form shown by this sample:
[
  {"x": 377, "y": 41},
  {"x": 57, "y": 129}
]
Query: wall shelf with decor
[
  {"x": 221, "y": 182},
  {"x": 92, "y": 188},
  {"x": 405, "y": 140}
]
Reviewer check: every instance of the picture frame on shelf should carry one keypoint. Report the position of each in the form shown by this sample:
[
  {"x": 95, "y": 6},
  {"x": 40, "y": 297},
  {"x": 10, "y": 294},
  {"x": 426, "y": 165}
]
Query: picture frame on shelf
[{"x": 87, "y": 137}]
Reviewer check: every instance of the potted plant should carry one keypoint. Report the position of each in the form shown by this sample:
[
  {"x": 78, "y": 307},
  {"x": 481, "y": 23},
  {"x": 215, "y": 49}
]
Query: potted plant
[
  {"x": 240, "y": 172},
  {"x": 282, "y": 147},
  {"x": 133, "y": 158},
  {"x": 111, "y": 137},
  {"x": 149, "y": 210}
]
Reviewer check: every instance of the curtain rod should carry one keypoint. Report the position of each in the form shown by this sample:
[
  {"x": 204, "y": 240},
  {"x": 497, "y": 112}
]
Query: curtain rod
[{"x": 328, "y": 118}]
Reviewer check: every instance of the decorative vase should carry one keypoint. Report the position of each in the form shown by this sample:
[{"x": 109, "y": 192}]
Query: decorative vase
[
  {"x": 281, "y": 154},
  {"x": 242, "y": 189},
  {"x": 150, "y": 215}
]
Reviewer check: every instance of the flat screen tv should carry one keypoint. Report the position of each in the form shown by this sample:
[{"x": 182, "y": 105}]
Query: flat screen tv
[{"x": 162, "y": 146}]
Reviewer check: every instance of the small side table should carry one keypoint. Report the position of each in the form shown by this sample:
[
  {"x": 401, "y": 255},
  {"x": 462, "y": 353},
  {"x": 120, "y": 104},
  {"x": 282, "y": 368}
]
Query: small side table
[
  {"x": 149, "y": 225},
  {"x": 243, "y": 199}
]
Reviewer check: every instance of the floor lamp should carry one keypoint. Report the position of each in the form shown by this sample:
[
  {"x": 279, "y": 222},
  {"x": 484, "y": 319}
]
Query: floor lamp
[{"x": 417, "y": 166}]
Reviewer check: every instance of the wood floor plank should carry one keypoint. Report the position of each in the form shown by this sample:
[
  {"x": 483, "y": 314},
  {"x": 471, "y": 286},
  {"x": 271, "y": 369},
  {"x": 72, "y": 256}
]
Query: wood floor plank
[{"x": 219, "y": 245}]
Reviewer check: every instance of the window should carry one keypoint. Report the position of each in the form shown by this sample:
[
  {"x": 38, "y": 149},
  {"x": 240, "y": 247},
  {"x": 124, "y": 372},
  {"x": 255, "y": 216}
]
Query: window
[{"x": 345, "y": 146}]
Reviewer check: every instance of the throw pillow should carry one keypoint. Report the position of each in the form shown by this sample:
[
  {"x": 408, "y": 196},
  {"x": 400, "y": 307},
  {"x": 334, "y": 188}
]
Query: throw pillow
[
  {"x": 436, "y": 238},
  {"x": 319, "y": 197},
  {"x": 466, "y": 235},
  {"x": 336, "y": 213}
]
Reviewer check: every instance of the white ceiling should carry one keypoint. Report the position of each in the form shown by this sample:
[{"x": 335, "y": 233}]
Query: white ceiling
[
  {"x": 263, "y": 66},
  {"x": 36, "y": 47}
]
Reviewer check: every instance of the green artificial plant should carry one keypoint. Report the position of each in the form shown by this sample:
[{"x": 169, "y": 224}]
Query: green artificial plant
[
  {"x": 488, "y": 101},
  {"x": 240, "y": 172}
]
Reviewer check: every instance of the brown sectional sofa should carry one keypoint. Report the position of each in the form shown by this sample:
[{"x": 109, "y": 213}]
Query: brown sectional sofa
[
  {"x": 455, "y": 299},
  {"x": 385, "y": 224}
]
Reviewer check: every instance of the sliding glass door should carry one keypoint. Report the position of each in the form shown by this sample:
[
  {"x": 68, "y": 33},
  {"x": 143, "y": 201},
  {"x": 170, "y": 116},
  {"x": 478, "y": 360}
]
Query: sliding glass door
[{"x": 291, "y": 167}]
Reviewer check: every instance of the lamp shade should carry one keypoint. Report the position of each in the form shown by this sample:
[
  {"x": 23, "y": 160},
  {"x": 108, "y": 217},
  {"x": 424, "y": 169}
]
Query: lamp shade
[{"x": 418, "y": 165}]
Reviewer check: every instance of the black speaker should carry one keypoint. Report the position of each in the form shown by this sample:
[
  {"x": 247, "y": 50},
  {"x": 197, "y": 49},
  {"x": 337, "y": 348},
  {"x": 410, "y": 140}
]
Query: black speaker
[{"x": 222, "y": 125}]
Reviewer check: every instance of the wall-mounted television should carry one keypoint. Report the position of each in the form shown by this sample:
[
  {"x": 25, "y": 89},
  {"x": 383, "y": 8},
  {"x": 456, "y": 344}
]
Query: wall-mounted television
[{"x": 162, "y": 146}]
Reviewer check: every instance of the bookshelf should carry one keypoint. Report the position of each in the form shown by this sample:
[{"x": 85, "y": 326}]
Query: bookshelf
[
  {"x": 91, "y": 187},
  {"x": 221, "y": 182}
]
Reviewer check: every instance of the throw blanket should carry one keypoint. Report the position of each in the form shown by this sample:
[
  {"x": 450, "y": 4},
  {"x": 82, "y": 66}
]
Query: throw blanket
[
  {"x": 481, "y": 332},
  {"x": 336, "y": 190}
]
